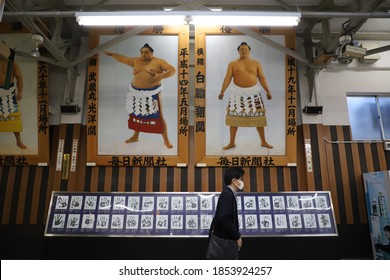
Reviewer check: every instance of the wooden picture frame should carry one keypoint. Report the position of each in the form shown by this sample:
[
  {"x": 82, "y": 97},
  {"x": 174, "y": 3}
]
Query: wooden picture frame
[
  {"x": 213, "y": 47},
  {"x": 106, "y": 134},
  {"x": 35, "y": 101}
]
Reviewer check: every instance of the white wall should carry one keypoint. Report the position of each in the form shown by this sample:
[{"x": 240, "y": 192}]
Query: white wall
[
  {"x": 57, "y": 78},
  {"x": 337, "y": 80}
]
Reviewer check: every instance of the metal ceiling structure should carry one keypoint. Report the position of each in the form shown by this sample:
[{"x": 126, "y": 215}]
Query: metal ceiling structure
[{"x": 323, "y": 22}]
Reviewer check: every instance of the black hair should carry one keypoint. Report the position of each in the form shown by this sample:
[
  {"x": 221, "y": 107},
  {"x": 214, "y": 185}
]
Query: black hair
[
  {"x": 232, "y": 173},
  {"x": 386, "y": 228},
  {"x": 243, "y": 44},
  {"x": 148, "y": 47}
]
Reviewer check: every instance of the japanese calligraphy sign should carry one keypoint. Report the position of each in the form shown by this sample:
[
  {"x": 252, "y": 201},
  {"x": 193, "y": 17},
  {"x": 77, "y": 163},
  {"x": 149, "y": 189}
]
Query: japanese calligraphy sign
[
  {"x": 245, "y": 103},
  {"x": 130, "y": 123}
]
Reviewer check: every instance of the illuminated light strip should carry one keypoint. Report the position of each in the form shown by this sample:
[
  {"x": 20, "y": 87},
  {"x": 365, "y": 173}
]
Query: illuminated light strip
[{"x": 153, "y": 18}]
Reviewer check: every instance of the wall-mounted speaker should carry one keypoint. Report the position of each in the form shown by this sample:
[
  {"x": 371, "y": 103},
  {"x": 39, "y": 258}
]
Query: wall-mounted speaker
[
  {"x": 312, "y": 110},
  {"x": 70, "y": 108}
]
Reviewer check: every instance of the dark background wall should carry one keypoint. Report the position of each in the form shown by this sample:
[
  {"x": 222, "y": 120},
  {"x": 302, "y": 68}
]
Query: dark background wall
[{"x": 337, "y": 167}]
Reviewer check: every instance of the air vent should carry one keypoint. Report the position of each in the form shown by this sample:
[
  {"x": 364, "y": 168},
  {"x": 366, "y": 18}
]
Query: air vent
[
  {"x": 70, "y": 108},
  {"x": 312, "y": 110}
]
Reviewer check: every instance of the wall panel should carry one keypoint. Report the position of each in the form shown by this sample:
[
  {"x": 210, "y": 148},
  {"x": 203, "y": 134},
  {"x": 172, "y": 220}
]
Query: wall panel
[
  {"x": 25, "y": 191},
  {"x": 35, "y": 196}
]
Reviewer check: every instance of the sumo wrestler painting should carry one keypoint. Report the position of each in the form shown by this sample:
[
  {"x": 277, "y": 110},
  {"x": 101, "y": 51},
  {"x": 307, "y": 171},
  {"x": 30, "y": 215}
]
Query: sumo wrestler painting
[
  {"x": 246, "y": 85},
  {"x": 138, "y": 96},
  {"x": 247, "y": 96},
  {"x": 18, "y": 98}
]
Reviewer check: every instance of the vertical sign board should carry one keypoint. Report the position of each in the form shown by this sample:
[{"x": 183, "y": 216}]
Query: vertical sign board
[{"x": 377, "y": 192}]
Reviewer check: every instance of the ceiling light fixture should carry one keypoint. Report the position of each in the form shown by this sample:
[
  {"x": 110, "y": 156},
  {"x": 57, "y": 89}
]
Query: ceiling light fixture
[
  {"x": 37, "y": 39},
  {"x": 246, "y": 18},
  {"x": 35, "y": 52},
  {"x": 214, "y": 9},
  {"x": 130, "y": 18},
  {"x": 233, "y": 18}
]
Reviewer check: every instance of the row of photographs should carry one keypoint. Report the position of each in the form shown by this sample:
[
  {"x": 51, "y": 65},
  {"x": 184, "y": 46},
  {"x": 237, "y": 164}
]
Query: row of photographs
[
  {"x": 136, "y": 203},
  {"x": 248, "y": 222}
]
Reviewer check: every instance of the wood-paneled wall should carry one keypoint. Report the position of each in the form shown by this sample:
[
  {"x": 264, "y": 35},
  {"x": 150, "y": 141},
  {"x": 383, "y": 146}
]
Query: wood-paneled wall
[{"x": 337, "y": 167}]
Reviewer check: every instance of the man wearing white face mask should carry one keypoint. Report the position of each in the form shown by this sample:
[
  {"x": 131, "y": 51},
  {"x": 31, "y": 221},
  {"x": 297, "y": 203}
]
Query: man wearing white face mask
[{"x": 225, "y": 237}]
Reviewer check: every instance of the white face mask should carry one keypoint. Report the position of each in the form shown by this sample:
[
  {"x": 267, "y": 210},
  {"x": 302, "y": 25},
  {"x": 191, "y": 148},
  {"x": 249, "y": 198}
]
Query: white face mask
[{"x": 240, "y": 185}]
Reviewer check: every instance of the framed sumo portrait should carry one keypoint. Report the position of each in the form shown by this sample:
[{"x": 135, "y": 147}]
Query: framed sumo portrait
[
  {"x": 137, "y": 106},
  {"x": 244, "y": 126},
  {"x": 24, "y": 107}
]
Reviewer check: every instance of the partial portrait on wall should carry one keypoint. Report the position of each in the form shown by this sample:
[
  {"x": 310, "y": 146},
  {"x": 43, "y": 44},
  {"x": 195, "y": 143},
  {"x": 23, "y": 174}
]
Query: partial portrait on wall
[{"x": 24, "y": 127}]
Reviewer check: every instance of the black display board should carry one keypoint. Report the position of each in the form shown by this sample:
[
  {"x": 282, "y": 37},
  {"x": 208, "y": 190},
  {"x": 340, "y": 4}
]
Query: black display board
[{"x": 186, "y": 214}]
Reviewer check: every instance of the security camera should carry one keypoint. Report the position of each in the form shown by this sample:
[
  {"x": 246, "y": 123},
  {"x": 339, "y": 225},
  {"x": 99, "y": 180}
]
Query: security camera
[
  {"x": 346, "y": 39},
  {"x": 354, "y": 51}
]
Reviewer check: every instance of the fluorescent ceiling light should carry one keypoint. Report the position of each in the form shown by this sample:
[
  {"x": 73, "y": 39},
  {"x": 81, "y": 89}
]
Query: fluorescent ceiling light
[
  {"x": 130, "y": 18},
  {"x": 246, "y": 18},
  {"x": 184, "y": 17},
  {"x": 213, "y": 9}
]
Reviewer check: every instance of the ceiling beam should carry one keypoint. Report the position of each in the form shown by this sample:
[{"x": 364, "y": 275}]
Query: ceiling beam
[
  {"x": 378, "y": 50},
  {"x": 309, "y": 14},
  {"x": 355, "y": 22},
  {"x": 108, "y": 44},
  {"x": 41, "y": 58},
  {"x": 30, "y": 25}
]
